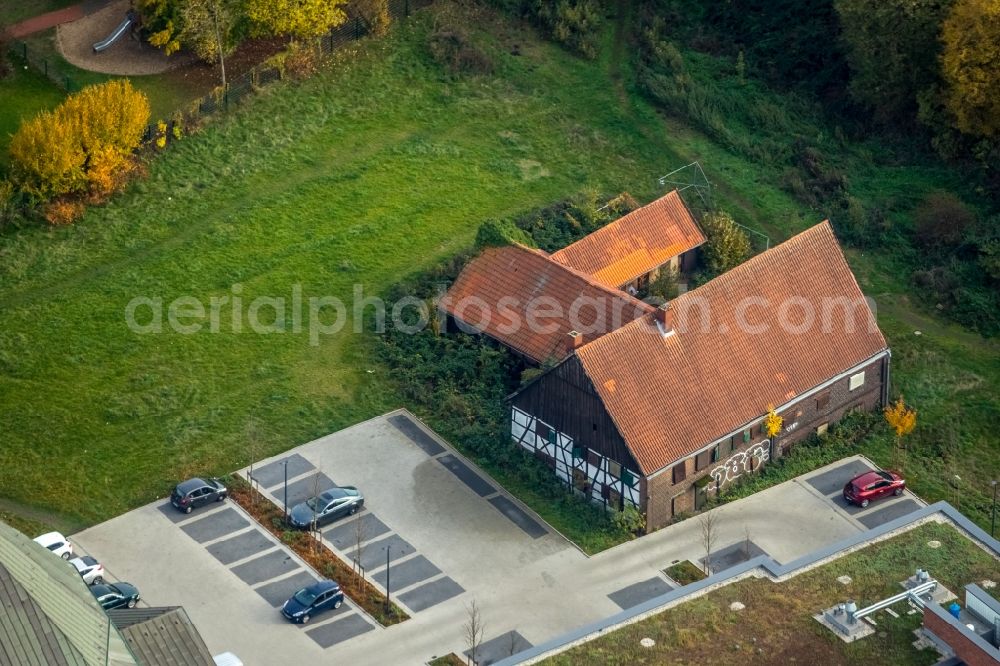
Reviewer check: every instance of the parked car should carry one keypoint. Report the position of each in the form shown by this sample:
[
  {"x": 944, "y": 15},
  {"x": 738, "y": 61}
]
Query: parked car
[
  {"x": 190, "y": 494},
  {"x": 57, "y": 543},
  {"x": 117, "y": 595},
  {"x": 309, "y": 601},
  {"x": 865, "y": 488},
  {"x": 327, "y": 507},
  {"x": 89, "y": 569}
]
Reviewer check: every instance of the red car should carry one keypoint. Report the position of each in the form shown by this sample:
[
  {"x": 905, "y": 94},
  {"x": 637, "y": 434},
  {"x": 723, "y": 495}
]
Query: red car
[{"x": 864, "y": 488}]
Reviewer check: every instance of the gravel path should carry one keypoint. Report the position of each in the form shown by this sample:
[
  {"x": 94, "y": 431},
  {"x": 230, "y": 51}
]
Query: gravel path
[{"x": 127, "y": 56}]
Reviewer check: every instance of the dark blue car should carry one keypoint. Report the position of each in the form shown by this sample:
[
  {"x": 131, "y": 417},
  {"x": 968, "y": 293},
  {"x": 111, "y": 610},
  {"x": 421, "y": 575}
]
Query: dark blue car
[{"x": 312, "y": 600}]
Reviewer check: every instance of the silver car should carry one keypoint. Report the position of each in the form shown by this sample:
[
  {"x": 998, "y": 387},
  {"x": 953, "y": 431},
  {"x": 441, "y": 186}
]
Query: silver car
[
  {"x": 327, "y": 507},
  {"x": 89, "y": 569}
]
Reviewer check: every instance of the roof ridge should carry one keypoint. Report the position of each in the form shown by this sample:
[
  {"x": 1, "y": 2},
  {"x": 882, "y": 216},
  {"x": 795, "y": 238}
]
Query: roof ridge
[
  {"x": 672, "y": 194},
  {"x": 618, "y": 293}
]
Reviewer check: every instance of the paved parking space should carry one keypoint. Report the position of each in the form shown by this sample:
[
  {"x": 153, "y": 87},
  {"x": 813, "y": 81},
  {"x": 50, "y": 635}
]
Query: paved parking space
[
  {"x": 635, "y": 594},
  {"x": 452, "y": 535},
  {"x": 829, "y": 482},
  {"x": 501, "y": 647}
]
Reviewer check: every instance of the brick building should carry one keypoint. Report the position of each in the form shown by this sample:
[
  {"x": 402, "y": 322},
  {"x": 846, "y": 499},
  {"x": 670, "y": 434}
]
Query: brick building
[{"x": 668, "y": 408}]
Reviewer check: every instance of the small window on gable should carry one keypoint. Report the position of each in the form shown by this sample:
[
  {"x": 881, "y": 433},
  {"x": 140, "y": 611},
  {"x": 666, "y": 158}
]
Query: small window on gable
[
  {"x": 680, "y": 471},
  {"x": 614, "y": 469},
  {"x": 579, "y": 451},
  {"x": 702, "y": 460},
  {"x": 857, "y": 381},
  {"x": 594, "y": 458},
  {"x": 628, "y": 479},
  {"x": 715, "y": 454},
  {"x": 746, "y": 435},
  {"x": 552, "y": 436}
]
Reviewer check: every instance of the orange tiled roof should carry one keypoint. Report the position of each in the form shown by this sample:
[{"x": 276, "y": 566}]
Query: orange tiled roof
[
  {"x": 635, "y": 244},
  {"x": 503, "y": 281},
  {"x": 670, "y": 396}
]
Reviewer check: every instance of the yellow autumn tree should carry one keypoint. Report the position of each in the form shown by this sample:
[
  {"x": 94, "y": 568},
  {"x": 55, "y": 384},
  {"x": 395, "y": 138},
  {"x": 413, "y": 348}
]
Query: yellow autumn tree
[
  {"x": 772, "y": 422},
  {"x": 970, "y": 65},
  {"x": 302, "y": 19},
  {"x": 903, "y": 420},
  {"x": 84, "y": 145}
]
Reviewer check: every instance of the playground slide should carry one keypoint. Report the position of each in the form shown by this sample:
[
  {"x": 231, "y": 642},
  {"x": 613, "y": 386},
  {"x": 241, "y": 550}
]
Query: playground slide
[{"x": 116, "y": 35}]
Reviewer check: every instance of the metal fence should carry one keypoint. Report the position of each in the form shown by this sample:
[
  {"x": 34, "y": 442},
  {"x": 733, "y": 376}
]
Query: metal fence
[
  {"x": 239, "y": 87},
  {"x": 352, "y": 30},
  {"x": 44, "y": 65}
]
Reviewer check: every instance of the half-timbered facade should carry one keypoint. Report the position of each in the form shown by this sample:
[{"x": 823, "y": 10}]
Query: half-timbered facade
[{"x": 668, "y": 409}]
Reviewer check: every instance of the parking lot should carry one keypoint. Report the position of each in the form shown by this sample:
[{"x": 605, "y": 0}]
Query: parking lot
[{"x": 450, "y": 534}]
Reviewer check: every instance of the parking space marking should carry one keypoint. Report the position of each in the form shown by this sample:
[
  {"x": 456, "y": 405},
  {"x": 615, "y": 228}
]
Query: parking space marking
[
  {"x": 889, "y": 512},
  {"x": 416, "y": 434},
  {"x": 635, "y": 594},
  {"x": 405, "y": 574},
  {"x": 501, "y": 647},
  {"x": 301, "y": 490},
  {"x": 173, "y": 515},
  {"x": 273, "y": 473},
  {"x": 327, "y": 635},
  {"x": 431, "y": 594},
  {"x": 266, "y": 567},
  {"x": 477, "y": 483},
  {"x": 215, "y": 525},
  {"x": 343, "y": 535},
  {"x": 279, "y": 591},
  {"x": 240, "y": 547},
  {"x": 373, "y": 555},
  {"x": 832, "y": 481},
  {"x": 518, "y": 516}
]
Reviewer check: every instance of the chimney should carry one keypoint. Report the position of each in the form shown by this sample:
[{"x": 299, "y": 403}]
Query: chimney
[
  {"x": 573, "y": 341},
  {"x": 665, "y": 319}
]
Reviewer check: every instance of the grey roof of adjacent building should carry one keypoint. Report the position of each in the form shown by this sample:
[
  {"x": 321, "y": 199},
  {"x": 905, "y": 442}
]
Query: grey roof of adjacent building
[
  {"x": 48, "y": 616},
  {"x": 162, "y": 636}
]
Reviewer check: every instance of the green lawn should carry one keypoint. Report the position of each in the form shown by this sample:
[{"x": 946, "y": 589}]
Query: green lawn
[
  {"x": 776, "y": 625},
  {"x": 167, "y": 92},
  {"x": 380, "y": 166},
  {"x": 25, "y": 92}
]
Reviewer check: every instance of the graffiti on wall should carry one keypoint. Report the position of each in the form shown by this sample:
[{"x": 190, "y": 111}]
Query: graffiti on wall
[{"x": 742, "y": 463}]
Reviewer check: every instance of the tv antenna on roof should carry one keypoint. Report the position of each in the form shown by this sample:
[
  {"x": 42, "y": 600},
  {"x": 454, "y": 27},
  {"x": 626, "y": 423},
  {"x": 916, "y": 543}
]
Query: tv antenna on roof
[{"x": 690, "y": 177}]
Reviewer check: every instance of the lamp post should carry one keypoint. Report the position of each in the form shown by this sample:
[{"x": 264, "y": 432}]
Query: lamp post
[
  {"x": 387, "y": 579},
  {"x": 993, "y": 520},
  {"x": 286, "y": 491}
]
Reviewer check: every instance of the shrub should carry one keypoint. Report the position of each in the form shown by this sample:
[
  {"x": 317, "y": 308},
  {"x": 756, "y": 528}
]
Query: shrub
[
  {"x": 664, "y": 287},
  {"x": 727, "y": 245},
  {"x": 80, "y": 146},
  {"x": 452, "y": 48},
  {"x": 941, "y": 221},
  {"x": 573, "y": 23},
  {"x": 497, "y": 233},
  {"x": 63, "y": 211}
]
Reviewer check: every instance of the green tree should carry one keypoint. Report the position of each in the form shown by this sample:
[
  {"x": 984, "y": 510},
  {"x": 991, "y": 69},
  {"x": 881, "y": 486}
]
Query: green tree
[
  {"x": 302, "y": 19},
  {"x": 892, "y": 48},
  {"x": 212, "y": 29},
  {"x": 163, "y": 20},
  {"x": 971, "y": 65},
  {"x": 727, "y": 245}
]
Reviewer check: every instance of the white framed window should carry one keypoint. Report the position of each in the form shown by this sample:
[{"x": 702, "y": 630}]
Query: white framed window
[{"x": 857, "y": 381}]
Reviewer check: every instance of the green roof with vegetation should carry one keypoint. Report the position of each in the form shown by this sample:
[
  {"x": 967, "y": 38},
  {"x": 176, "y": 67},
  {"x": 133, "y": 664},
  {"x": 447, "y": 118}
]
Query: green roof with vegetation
[{"x": 776, "y": 624}]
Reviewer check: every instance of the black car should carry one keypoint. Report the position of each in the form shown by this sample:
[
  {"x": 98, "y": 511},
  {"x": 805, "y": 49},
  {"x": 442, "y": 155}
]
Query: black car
[
  {"x": 309, "y": 601},
  {"x": 118, "y": 595},
  {"x": 327, "y": 507},
  {"x": 193, "y": 493}
]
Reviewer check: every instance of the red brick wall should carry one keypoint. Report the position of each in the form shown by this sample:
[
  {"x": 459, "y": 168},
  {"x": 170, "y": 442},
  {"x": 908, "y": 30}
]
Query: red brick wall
[
  {"x": 964, "y": 648},
  {"x": 661, "y": 499}
]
